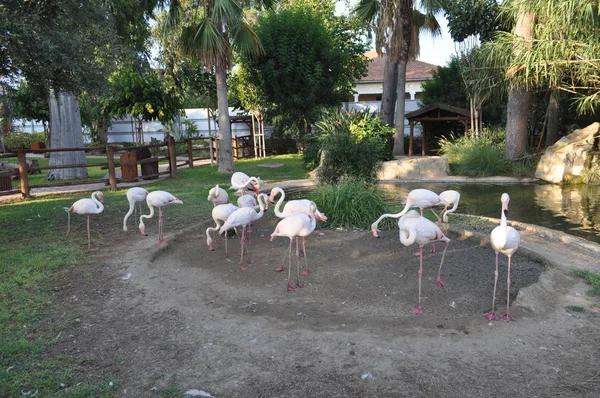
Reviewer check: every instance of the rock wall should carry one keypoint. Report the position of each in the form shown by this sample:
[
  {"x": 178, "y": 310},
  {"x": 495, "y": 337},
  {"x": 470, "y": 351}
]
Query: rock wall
[
  {"x": 567, "y": 157},
  {"x": 415, "y": 168}
]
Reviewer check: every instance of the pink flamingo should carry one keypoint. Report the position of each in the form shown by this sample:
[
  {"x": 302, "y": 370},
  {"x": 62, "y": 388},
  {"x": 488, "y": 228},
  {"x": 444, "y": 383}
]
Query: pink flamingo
[
  {"x": 134, "y": 195},
  {"x": 295, "y": 226},
  {"x": 244, "y": 182},
  {"x": 416, "y": 228},
  {"x": 504, "y": 239},
  {"x": 292, "y": 207},
  {"x": 220, "y": 214},
  {"x": 421, "y": 198},
  {"x": 218, "y": 196},
  {"x": 157, "y": 199},
  {"x": 87, "y": 207},
  {"x": 242, "y": 218},
  {"x": 452, "y": 198}
]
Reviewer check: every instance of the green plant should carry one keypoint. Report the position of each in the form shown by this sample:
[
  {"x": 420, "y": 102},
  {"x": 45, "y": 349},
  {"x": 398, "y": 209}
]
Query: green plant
[
  {"x": 350, "y": 203},
  {"x": 476, "y": 156},
  {"x": 349, "y": 145},
  {"x": 191, "y": 130},
  {"x": 591, "y": 174},
  {"x": 18, "y": 141},
  {"x": 575, "y": 308},
  {"x": 591, "y": 278}
]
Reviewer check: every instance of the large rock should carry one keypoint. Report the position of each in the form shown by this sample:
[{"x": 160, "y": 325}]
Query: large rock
[
  {"x": 414, "y": 168},
  {"x": 567, "y": 157}
]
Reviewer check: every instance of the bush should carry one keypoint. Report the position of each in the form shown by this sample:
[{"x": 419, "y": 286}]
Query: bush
[
  {"x": 350, "y": 203},
  {"x": 348, "y": 145},
  {"x": 19, "y": 140}
]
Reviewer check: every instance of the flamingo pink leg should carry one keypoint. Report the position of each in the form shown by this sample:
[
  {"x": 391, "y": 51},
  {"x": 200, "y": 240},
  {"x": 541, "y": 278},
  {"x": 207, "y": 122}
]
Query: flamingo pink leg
[
  {"x": 507, "y": 316},
  {"x": 417, "y": 310},
  {"x": 491, "y": 316},
  {"x": 436, "y": 216},
  {"x": 282, "y": 266},
  {"x": 306, "y": 271},
  {"x": 243, "y": 249},
  {"x": 88, "y": 231},
  {"x": 289, "y": 285},
  {"x": 160, "y": 221},
  {"x": 439, "y": 277},
  {"x": 298, "y": 284}
]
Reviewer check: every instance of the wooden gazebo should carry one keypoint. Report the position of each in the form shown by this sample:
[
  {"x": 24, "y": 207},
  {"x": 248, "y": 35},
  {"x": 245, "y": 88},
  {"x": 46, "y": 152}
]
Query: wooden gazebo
[{"x": 437, "y": 112}]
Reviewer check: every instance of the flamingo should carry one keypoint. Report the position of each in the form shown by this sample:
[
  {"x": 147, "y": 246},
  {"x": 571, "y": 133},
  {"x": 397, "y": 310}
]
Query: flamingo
[
  {"x": 247, "y": 201},
  {"x": 421, "y": 198},
  {"x": 295, "y": 226},
  {"x": 452, "y": 198},
  {"x": 242, "y": 218},
  {"x": 87, "y": 207},
  {"x": 157, "y": 199},
  {"x": 220, "y": 214},
  {"x": 504, "y": 239},
  {"x": 416, "y": 228},
  {"x": 218, "y": 196},
  {"x": 242, "y": 181},
  {"x": 293, "y": 206},
  {"x": 134, "y": 195}
]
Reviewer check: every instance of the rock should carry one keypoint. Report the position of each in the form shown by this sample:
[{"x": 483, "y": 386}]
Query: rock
[
  {"x": 568, "y": 156},
  {"x": 415, "y": 167}
]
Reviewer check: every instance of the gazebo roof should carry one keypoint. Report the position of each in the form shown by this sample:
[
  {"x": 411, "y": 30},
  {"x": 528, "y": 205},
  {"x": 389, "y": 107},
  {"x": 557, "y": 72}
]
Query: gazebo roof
[{"x": 437, "y": 110}]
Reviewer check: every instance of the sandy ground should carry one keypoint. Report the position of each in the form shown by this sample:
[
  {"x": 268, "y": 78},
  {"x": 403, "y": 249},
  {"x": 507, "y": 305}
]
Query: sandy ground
[{"x": 186, "y": 317}]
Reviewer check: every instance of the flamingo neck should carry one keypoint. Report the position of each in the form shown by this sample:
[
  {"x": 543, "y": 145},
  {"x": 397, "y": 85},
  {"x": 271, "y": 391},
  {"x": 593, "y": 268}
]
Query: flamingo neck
[
  {"x": 151, "y": 207},
  {"x": 278, "y": 212},
  {"x": 99, "y": 205}
]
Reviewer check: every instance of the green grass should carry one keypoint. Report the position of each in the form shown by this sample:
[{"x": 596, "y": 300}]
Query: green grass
[
  {"x": 34, "y": 252},
  {"x": 591, "y": 278}
]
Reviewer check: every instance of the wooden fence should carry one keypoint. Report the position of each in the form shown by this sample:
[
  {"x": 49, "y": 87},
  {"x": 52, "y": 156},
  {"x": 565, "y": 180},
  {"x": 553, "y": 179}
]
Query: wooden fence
[{"x": 24, "y": 169}]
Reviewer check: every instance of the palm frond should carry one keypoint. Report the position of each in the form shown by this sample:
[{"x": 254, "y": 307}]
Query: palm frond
[
  {"x": 226, "y": 10},
  {"x": 173, "y": 17},
  {"x": 245, "y": 40},
  {"x": 206, "y": 41},
  {"x": 367, "y": 10}
]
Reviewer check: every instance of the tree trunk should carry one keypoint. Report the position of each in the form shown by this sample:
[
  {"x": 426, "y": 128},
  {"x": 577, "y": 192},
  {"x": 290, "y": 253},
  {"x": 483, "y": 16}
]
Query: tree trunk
[
  {"x": 225, "y": 150},
  {"x": 553, "y": 125},
  {"x": 65, "y": 132},
  {"x": 388, "y": 98},
  {"x": 400, "y": 107},
  {"x": 519, "y": 99}
]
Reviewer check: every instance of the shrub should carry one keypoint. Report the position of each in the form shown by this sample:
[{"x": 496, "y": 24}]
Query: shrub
[
  {"x": 19, "y": 140},
  {"x": 350, "y": 203},
  {"x": 348, "y": 145}
]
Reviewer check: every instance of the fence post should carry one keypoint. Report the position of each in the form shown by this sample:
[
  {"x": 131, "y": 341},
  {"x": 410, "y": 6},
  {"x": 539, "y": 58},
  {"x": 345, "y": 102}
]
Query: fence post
[
  {"x": 190, "y": 154},
  {"x": 23, "y": 174},
  {"x": 112, "y": 175},
  {"x": 172, "y": 157}
]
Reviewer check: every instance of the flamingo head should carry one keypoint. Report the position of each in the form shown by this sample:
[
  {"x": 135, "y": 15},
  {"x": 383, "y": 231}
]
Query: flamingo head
[
  {"x": 143, "y": 230},
  {"x": 100, "y": 197},
  {"x": 320, "y": 216},
  {"x": 374, "y": 230},
  {"x": 272, "y": 196},
  {"x": 505, "y": 199}
]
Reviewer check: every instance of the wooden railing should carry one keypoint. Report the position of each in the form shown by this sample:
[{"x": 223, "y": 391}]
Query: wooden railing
[{"x": 24, "y": 169}]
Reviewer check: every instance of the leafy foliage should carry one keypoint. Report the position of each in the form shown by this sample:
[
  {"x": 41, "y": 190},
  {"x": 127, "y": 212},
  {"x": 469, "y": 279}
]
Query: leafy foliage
[
  {"x": 472, "y": 17},
  {"x": 305, "y": 65},
  {"x": 446, "y": 86},
  {"x": 19, "y": 140},
  {"x": 349, "y": 204},
  {"x": 591, "y": 278},
  {"x": 348, "y": 145}
]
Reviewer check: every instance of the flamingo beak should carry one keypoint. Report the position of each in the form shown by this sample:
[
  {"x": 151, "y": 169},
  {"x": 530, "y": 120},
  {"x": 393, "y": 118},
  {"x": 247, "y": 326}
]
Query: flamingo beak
[{"x": 375, "y": 232}]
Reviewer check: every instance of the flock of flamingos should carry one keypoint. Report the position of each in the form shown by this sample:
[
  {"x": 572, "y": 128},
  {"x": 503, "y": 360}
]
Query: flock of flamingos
[{"x": 299, "y": 218}]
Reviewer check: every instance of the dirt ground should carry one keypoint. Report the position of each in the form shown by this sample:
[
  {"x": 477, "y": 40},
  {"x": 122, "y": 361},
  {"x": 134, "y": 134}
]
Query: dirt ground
[{"x": 179, "y": 315}]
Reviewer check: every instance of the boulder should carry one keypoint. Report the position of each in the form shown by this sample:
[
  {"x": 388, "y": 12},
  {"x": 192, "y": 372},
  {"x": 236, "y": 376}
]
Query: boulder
[
  {"x": 415, "y": 168},
  {"x": 568, "y": 156}
]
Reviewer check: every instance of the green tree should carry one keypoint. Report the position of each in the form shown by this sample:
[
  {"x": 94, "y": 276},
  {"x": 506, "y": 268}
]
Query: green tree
[
  {"x": 305, "y": 65},
  {"x": 28, "y": 105},
  {"x": 145, "y": 96},
  {"x": 210, "y": 31},
  {"x": 472, "y": 18},
  {"x": 446, "y": 86}
]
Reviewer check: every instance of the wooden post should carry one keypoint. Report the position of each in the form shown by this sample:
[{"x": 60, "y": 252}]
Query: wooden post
[
  {"x": 423, "y": 140},
  {"x": 410, "y": 138},
  {"x": 172, "y": 157},
  {"x": 190, "y": 154},
  {"x": 23, "y": 174},
  {"x": 112, "y": 175}
]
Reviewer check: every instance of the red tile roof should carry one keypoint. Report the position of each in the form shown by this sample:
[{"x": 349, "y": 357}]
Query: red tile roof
[{"x": 415, "y": 70}]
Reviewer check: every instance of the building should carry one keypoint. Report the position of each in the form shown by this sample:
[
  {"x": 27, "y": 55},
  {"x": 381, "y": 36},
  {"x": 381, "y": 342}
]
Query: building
[{"x": 369, "y": 89}]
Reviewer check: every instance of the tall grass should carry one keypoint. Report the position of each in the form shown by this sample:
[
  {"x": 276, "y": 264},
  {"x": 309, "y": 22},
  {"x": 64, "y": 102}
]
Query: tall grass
[
  {"x": 591, "y": 278},
  {"x": 350, "y": 204}
]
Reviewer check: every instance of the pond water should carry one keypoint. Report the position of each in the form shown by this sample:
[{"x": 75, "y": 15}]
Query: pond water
[{"x": 571, "y": 209}]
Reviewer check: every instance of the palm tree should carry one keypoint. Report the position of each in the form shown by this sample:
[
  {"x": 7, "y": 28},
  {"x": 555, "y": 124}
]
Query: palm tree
[
  {"x": 397, "y": 25},
  {"x": 217, "y": 28}
]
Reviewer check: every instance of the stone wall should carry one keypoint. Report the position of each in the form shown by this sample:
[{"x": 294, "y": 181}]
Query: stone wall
[
  {"x": 568, "y": 156},
  {"x": 415, "y": 168}
]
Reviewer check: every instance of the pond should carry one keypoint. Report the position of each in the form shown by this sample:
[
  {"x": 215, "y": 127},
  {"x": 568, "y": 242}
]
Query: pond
[{"x": 571, "y": 209}]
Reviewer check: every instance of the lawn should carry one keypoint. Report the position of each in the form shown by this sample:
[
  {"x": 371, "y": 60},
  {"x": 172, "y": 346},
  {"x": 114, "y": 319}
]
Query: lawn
[{"x": 35, "y": 252}]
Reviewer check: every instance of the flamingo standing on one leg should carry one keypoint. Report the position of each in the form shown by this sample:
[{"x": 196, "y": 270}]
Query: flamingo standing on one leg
[
  {"x": 421, "y": 198},
  {"x": 504, "y": 239},
  {"x": 157, "y": 199},
  {"x": 87, "y": 207},
  {"x": 295, "y": 226},
  {"x": 244, "y": 182},
  {"x": 452, "y": 198},
  {"x": 416, "y": 228},
  {"x": 220, "y": 214},
  {"x": 218, "y": 196},
  {"x": 134, "y": 195},
  {"x": 242, "y": 218}
]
